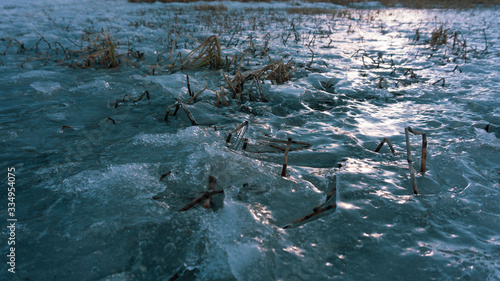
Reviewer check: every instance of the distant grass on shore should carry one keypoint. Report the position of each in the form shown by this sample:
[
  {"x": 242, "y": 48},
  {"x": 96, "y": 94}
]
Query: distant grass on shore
[{"x": 418, "y": 4}]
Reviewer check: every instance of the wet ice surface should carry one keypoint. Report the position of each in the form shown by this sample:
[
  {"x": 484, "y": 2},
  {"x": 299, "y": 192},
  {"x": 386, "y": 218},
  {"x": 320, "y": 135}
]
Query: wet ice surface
[{"x": 84, "y": 193}]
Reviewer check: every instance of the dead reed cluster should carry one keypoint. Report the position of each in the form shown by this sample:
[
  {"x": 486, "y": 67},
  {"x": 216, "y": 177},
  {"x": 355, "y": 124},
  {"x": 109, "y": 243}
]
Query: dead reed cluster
[
  {"x": 439, "y": 36},
  {"x": 416, "y": 4},
  {"x": 338, "y": 13},
  {"x": 208, "y": 53},
  {"x": 210, "y": 7},
  {"x": 277, "y": 72},
  {"x": 100, "y": 51},
  {"x": 96, "y": 50}
]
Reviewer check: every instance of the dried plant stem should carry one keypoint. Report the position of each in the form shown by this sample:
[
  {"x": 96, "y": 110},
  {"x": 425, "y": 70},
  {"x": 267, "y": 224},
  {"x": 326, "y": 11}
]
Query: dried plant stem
[
  {"x": 240, "y": 137},
  {"x": 245, "y": 143},
  {"x": 285, "y": 160},
  {"x": 235, "y": 130},
  {"x": 217, "y": 95},
  {"x": 164, "y": 175},
  {"x": 211, "y": 186},
  {"x": 176, "y": 105},
  {"x": 442, "y": 79},
  {"x": 424, "y": 148},
  {"x": 312, "y": 58},
  {"x": 330, "y": 194},
  {"x": 424, "y": 154},
  {"x": 223, "y": 96},
  {"x": 384, "y": 140},
  {"x": 315, "y": 213},
  {"x": 65, "y": 127},
  {"x": 189, "y": 86},
  {"x": 199, "y": 93},
  {"x": 146, "y": 93},
  {"x": 189, "y": 114},
  {"x": 229, "y": 84},
  {"x": 410, "y": 162}
]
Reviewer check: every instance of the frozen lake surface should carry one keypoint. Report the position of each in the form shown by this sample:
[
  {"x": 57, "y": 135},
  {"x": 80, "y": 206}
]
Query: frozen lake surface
[{"x": 89, "y": 200}]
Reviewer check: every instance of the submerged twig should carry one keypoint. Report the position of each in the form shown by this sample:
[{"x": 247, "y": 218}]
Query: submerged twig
[
  {"x": 321, "y": 208},
  {"x": 211, "y": 186},
  {"x": 205, "y": 195},
  {"x": 146, "y": 93},
  {"x": 164, "y": 175}
]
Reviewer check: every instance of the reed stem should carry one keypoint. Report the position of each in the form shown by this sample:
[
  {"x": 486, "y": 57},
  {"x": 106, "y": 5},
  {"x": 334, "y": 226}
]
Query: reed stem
[
  {"x": 285, "y": 161},
  {"x": 410, "y": 161}
]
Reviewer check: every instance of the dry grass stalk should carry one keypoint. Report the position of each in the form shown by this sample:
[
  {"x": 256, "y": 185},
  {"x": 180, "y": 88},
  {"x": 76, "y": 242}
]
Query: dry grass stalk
[
  {"x": 401, "y": 82},
  {"x": 439, "y": 36},
  {"x": 442, "y": 79},
  {"x": 164, "y": 175},
  {"x": 41, "y": 57},
  {"x": 189, "y": 86},
  {"x": 277, "y": 72},
  {"x": 328, "y": 84},
  {"x": 312, "y": 58},
  {"x": 410, "y": 162},
  {"x": 382, "y": 83},
  {"x": 146, "y": 93},
  {"x": 65, "y": 127},
  {"x": 176, "y": 105},
  {"x": 423, "y": 162},
  {"x": 110, "y": 119},
  {"x": 285, "y": 160},
  {"x": 223, "y": 96},
  {"x": 193, "y": 98},
  {"x": 384, "y": 140},
  {"x": 100, "y": 51},
  {"x": 245, "y": 144},
  {"x": 258, "y": 87},
  {"x": 217, "y": 95}
]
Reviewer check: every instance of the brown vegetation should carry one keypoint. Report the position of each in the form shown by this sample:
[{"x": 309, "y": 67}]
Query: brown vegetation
[{"x": 418, "y": 4}]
